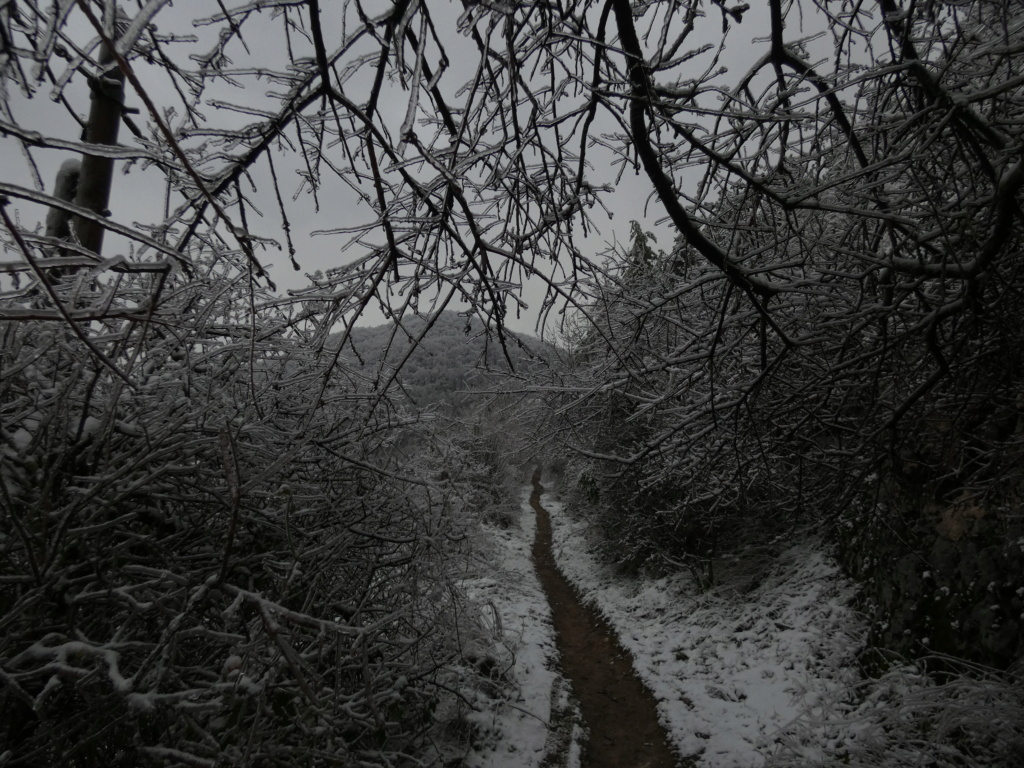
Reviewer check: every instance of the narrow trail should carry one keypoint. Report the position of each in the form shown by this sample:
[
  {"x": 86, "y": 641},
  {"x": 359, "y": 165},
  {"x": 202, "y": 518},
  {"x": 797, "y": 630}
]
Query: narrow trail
[{"x": 620, "y": 713}]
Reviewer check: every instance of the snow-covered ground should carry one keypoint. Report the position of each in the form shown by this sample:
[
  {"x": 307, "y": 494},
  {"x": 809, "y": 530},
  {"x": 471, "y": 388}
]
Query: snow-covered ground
[
  {"x": 733, "y": 666},
  {"x": 730, "y": 670},
  {"x": 533, "y": 720},
  {"x": 759, "y": 671}
]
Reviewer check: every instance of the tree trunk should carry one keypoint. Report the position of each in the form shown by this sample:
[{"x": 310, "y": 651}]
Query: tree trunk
[{"x": 97, "y": 172}]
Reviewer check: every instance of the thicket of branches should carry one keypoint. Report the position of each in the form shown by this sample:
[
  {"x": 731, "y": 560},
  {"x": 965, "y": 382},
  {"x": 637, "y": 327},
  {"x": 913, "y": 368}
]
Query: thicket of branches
[
  {"x": 194, "y": 569},
  {"x": 834, "y": 337},
  {"x": 842, "y": 305},
  {"x": 213, "y": 549}
]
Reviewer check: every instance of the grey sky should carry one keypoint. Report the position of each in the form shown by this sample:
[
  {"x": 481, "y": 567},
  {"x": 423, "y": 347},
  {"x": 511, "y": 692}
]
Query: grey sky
[{"x": 139, "y": 191}]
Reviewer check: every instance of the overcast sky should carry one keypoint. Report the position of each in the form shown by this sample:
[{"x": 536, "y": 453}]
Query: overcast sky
[{"x": 139, "y": 192}]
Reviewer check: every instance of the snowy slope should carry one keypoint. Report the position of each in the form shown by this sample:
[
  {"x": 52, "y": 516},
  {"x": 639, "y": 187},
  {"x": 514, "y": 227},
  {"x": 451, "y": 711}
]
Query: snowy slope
[
  {"x": 758, "y": 672},
  {"x": 731, "y": 667}
]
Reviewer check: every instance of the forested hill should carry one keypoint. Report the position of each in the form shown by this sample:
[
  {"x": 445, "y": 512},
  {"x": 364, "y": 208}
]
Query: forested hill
[{"x": 456, "y": 356}]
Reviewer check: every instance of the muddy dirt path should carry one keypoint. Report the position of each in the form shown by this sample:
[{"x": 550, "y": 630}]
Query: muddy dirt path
[{"x": 619, "y": 712}]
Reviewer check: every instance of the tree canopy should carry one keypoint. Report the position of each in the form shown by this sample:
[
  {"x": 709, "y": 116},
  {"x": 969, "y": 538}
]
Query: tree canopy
[{"x": 206, "y": 522}]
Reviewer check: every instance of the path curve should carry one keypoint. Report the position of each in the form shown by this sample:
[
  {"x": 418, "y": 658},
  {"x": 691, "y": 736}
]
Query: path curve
[{"x": 620, "y": 713}]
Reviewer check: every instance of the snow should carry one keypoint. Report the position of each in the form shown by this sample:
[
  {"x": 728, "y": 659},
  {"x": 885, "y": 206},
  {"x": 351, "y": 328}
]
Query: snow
[
  {"x": 731, "y": 667},
  {"x": 61, "y": 658},
  {"x": 519, "y": 724},
  {"x": 735, "y": 669}
]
